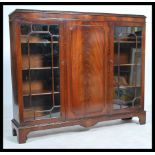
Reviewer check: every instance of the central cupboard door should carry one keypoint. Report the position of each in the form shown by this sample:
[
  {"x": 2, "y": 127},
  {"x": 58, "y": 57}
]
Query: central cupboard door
[{"x": 87, "y": 47}]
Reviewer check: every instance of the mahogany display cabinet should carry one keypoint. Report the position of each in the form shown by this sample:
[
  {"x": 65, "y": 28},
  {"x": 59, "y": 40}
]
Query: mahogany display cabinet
[{"x": 75, "y": 68}]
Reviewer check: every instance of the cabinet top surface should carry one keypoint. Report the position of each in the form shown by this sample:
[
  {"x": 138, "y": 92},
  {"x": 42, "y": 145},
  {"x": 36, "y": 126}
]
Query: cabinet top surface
[
  {"x": 71, "y": 15},
  {"x": 74, "y": 12}
]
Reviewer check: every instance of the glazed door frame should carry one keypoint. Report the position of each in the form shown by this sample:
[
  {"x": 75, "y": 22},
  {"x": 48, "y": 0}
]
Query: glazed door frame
[
  {"x": 19, "y": 69},
  {"x": 111, "y": 57},
  {"x": 76, "y": 86}
]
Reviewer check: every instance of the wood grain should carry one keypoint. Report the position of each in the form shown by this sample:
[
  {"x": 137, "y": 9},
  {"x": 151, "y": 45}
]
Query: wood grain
[{"x": 87, "y": 70}]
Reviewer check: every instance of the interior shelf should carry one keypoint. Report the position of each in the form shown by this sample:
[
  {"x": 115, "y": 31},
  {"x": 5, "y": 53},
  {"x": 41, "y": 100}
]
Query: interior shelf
[
  {"x": 26, "y": 36},
  {"x": 127, "y": 64},
  {"x": 129, "y": 86},
  {"x": 39, "y": 42},
  {"x": 35, "y": 39},
  {"x": 122, "y": 41},
  {"x": 40, "y": 68},
  {"x": 43, "y": 92}
]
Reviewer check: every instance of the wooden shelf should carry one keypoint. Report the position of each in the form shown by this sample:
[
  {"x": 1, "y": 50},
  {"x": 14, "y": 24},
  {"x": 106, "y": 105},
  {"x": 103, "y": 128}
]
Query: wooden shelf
[
  {"x": 127, "y": 86},
  {"x": 24, "y": 39},
  {"x": 43, "y": 92},
  {"x": 128, "y": 65},
  {"x": 39, "y": 32},
  {"x": 127, "y": 41},
  {"x": 40, "y": 68},
  {"x": 39, "y": 42}
]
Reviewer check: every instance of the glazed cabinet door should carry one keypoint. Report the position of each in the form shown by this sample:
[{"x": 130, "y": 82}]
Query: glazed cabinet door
[
  {"x": 86, "y": 54},
  {"x": 128, "y": 67},
  {"x": 40, "y": 78}
]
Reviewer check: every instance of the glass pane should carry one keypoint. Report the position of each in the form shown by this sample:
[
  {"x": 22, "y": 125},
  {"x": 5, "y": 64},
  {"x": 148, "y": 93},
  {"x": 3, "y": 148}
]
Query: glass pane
[
  {"x": 56, "y": 80},
  {"x": 56, "y": 38},
  {"x": 40, "y": 55},
  {"x": 54, "y": 29},
  {"x": 125, "y": 97},
  {"x": 57, "y": 99},
  {"x": 25, "y": 61},
  {"x": 40, "y": 38},
  {"x": 127, "y": 67},
  {"x": 41, "y": 73},
  {"x": 55, "y": 112},
  {"x": 40, "y": 80},
  {"x": 39, "y": 27},
  {"x": 56, "y": 54},
  {"x": 42, "y": 105},
  {"x": 25, "y": 29},
  {"x": 56, "y": 105}
]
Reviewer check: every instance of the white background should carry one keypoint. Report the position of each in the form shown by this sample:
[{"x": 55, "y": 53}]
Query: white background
[{"x": 111, "y": 134}]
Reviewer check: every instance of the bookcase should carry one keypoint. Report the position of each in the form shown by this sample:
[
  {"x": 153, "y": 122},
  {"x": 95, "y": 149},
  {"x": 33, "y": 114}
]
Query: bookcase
[{"x": 75, "y": 68}]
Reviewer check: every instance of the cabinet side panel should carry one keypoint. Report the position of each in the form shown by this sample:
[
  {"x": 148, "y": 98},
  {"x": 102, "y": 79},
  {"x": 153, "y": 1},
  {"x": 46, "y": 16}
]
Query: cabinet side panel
[
  {"x": 14, "y": 71},
  {"x": 88, "y": 70},
  {"x": 143, "y": 65}
]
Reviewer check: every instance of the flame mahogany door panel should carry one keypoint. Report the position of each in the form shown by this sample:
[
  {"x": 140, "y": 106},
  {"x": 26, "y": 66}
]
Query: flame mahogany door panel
[{"x": 87, "y": 60}]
